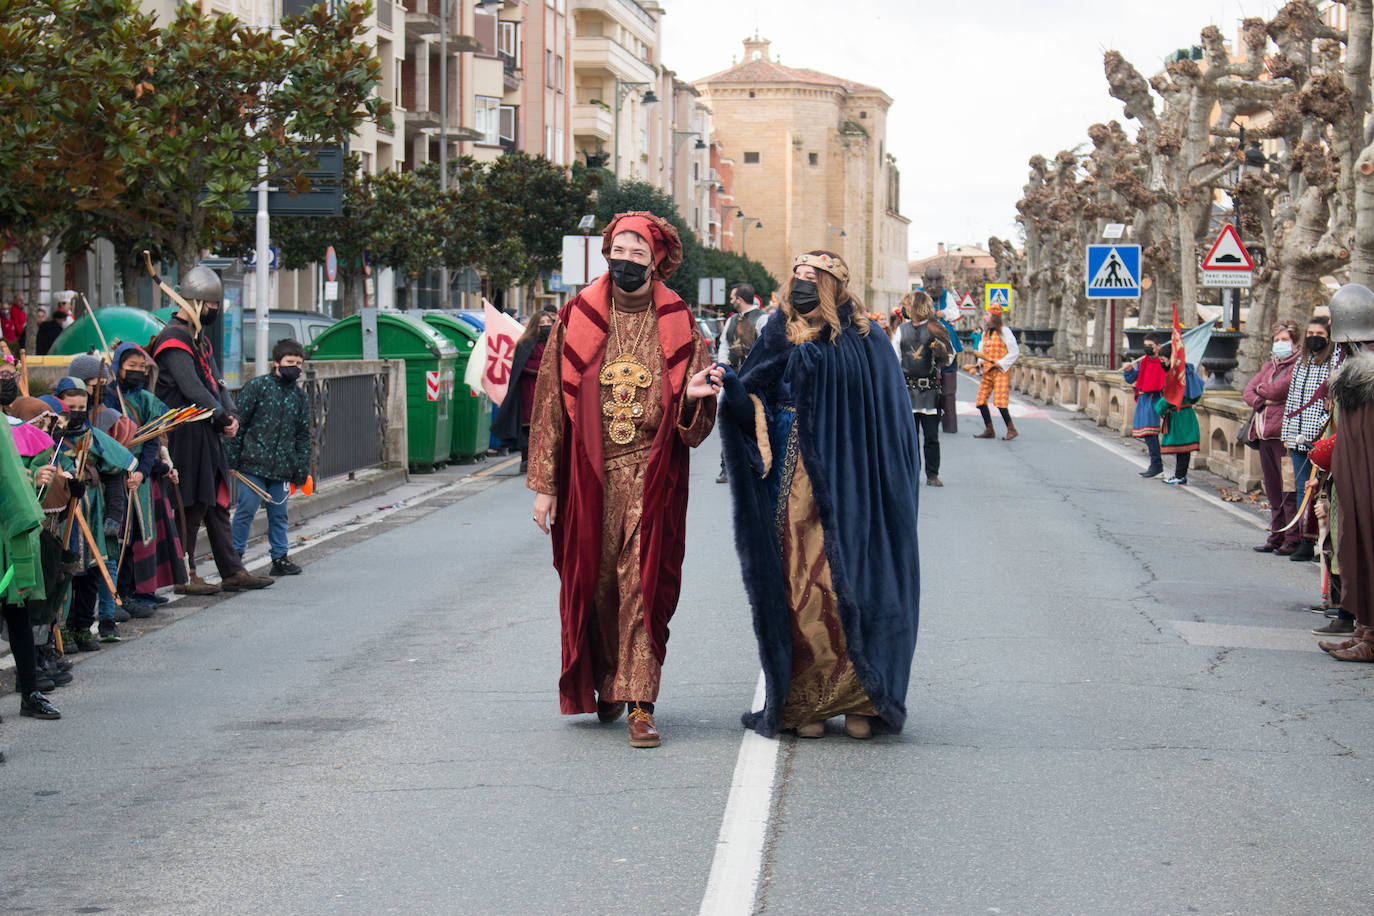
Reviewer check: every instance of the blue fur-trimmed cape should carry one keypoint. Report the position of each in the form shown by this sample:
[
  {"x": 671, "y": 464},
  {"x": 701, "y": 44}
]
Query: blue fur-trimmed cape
[{"x": 858, "y": 441}]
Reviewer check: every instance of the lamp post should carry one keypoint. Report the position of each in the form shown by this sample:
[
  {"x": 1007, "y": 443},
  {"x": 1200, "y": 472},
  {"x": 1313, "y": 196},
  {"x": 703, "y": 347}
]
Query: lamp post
[
  {"x": 679, "y": 137},
  {"x": 831, "y": 230},
  {"x": 744, "y": 233},
  {"x": 622, "y": 92}
]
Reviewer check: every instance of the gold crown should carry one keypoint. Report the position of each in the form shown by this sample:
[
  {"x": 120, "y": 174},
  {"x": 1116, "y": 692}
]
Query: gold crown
[{"x": 833, "y": 266}]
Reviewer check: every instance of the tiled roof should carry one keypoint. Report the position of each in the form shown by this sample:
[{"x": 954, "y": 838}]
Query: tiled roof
[{"x": 768, "y": 71}]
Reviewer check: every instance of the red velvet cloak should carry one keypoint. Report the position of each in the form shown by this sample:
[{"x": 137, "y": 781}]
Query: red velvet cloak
[{"x": 577, "y": 535}]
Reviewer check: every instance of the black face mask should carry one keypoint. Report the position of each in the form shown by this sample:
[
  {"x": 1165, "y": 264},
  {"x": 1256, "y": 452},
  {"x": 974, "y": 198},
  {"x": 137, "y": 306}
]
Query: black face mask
[
  {"x": 805, "y": 296},
  {"x": 1316, "y": 343},
  {"x": 288, "y": 374},
  {"x": 627, "y": 275},
  {"x": 133, "y": 380},
  {"x": 9, "y": 390},
  {"x": 76, "y": 421},
  {"x": 544, "y": 332},
  {"x": 209, "y": 317}
]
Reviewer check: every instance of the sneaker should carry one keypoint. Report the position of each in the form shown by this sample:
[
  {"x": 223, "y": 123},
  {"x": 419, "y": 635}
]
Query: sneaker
[
  {"x": 721, "y": 478},
  {"x": 109, "y": 631},
  {"x": 1336, "y": 627},
  {"x": 1176, "y": 481},
  {"x": 136, "y": 608},
  {"x": 282, "y": 566},
  {"x": 156, "y": 600},
  {"x": 81, "y": 640}
]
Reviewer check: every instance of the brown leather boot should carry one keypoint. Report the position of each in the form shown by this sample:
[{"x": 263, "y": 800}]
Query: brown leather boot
[
  {"x": 858, "y": 727},
  {"x": 197, "y": 586},
  {"x": 244, "y": 580},
  {"x": 1358, "y": 649},
  {"x": 1011, "y": 433},
  {"x": 1360, "y": 635},
  {"x": 987, "y": 433},
  {"x": 643, "y": 732}
]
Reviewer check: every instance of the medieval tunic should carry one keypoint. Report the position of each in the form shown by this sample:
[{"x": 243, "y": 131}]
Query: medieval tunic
[
  {"x": 621, "y": 505},
  {"x": 1181, "y": 432},
  {"x": 1148, "y": 378},
  {"x": 1002, "y": 351},
  {"x": 1352, "y": 470},
  {"x": 823, "y": 480}
]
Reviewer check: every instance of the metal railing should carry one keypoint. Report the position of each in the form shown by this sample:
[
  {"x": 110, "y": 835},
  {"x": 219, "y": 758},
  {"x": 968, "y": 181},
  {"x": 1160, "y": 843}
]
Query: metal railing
[{"x": 348, "y": 422}]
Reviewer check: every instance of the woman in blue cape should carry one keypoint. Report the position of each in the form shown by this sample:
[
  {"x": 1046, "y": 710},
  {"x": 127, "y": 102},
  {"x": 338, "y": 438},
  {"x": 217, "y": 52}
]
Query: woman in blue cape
[{"x": 823, "y": 467}]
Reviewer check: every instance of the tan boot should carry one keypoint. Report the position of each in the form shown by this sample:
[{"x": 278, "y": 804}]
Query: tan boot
[
  {"x": 811, "y": 730},
  {"x": 987, "y": 433},
  {"x": 858, "y": 727},
  {"x": 1011, "y": 433},
  {"x": 1358, "y": 649}
]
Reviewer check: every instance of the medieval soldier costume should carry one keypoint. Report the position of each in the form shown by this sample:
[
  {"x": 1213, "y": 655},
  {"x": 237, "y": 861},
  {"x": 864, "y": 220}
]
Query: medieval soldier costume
[
  {"x": 1352, "y": 466},
  {"x": 823, "y": 462},
  {"x": 187, "y": 376},
  {"x": 923, "y": 345},
  {"x": 624, "y": 391}
]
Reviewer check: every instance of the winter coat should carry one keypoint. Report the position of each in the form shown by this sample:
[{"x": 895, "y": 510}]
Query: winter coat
[
  {"x": 1268, "y": 392},
  {"x": 273, "y": 441}
]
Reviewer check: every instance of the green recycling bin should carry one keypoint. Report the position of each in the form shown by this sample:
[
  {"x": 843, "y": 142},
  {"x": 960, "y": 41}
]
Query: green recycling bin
[
  {"x": 471, "y": 412},
  {"x": 430, "y": 376},
  {"x": 117, "y": 323}
]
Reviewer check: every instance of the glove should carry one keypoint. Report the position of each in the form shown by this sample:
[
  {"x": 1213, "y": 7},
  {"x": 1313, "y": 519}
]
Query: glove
[
  {"x": 737, "y": 400},
  {"x": 77, "y": 488}
]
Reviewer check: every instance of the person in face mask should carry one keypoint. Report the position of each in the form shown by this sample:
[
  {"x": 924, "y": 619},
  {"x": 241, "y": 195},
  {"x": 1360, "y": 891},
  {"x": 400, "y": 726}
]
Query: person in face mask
[
  {"x": 820, "y": 446},
  {"x": 1146, "y": 375},
  {"x": 625, "y": 388},
  {"x": 153, "y": 559},
  {"x": 1267, "y": 392},
  {"x": 1304, "y": 418},
  {"x": 511, "y": 423},
  {"x": 188, "y": 375},
  {"x": 272, "y": 450}
]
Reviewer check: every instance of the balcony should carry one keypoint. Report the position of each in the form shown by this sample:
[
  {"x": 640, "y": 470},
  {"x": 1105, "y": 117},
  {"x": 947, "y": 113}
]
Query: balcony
[
  {"x": 593, "y": 121},
  {"x": 422, "y": 119},
  {"x": 626, "y": 12},
  {"x": 423, "y": 20},
  {"x": 603, "y": 55},
  {"x": 510, "y": 72}
]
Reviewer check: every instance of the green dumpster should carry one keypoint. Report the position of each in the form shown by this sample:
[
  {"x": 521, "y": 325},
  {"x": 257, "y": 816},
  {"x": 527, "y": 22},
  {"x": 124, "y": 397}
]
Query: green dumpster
[
  {"x": 117, "y": 322},
  {"x": 471, "y": 412},
  {"x": 430, "y": 376}
]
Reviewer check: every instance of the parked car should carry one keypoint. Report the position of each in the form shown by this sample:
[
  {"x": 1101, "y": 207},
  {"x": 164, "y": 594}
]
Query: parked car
[
  {"x": 301, "y": 326},
  {"x": 710, "y": 329}
]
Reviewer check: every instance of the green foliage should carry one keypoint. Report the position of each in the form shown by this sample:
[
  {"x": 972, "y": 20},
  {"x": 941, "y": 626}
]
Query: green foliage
[{"x": 697, "y": 260}]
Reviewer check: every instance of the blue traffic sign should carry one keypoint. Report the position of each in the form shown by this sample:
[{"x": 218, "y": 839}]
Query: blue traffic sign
[{"x": 1113, "y": 272}]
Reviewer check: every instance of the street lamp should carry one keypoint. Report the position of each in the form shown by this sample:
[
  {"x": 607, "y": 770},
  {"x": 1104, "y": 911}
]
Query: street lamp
[
  {"x": 831, "y": 230},
  {"x": 622, "y": 92},
  {"x": 744, "y": 232}
]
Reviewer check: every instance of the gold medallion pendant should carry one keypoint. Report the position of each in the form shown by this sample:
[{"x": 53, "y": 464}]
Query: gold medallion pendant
[{"x": 624, "y": 376}]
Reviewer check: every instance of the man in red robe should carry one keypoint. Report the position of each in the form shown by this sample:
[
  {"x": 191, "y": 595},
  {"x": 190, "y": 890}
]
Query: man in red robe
[{"x": 626, "y": 386}]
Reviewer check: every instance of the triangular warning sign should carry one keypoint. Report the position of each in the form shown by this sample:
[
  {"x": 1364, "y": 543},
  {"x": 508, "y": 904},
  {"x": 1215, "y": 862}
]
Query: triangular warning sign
[
  {"x": 1113, "y": 274},
  {"x": 1228, "y": 253},
  {"x": 967, "y": 302}
]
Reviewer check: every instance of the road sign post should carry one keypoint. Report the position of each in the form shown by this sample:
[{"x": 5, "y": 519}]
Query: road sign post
[
  {"x": 1112, "y": 272},
  {"x": 1229, "y": 266}
]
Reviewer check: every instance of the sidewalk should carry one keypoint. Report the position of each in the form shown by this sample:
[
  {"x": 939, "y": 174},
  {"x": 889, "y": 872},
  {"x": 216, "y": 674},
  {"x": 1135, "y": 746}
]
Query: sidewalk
[{"x": 343, "y": 510}]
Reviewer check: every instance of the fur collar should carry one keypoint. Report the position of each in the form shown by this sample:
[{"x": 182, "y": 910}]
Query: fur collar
[{"x": 1352, "y": 385}]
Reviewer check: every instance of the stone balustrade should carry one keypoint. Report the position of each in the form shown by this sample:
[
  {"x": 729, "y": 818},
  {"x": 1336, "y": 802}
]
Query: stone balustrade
[{"x": 1103, "y": 396}]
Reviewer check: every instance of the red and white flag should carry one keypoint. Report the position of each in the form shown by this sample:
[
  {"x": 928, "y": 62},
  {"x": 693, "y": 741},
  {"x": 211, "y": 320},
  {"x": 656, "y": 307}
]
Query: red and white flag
[
  {"x": 1175, "y": 380},
  {"x": 490, "y": 363}
]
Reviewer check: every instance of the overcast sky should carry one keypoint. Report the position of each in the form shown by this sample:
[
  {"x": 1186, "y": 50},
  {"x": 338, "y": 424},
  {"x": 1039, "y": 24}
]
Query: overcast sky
[{"x": 977, "y": 88}]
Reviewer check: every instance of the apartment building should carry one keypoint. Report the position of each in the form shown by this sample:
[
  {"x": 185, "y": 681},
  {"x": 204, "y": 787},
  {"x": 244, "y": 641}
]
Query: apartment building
[{"x": 809, "y": 169}]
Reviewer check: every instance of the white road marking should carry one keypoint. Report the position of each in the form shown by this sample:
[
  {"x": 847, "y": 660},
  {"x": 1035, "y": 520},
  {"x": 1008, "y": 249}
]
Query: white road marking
[{"x": 735, "y": 869}]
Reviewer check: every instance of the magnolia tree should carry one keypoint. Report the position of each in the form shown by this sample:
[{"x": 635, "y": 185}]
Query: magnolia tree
[{"x": 1177, "y": 159}]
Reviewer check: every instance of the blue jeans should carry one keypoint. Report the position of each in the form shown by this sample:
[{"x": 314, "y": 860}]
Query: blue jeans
[
  {"x": 247, "y": 507},
  {"x": 1302, "y": 469},
  {"x": 105, "y": 600}
]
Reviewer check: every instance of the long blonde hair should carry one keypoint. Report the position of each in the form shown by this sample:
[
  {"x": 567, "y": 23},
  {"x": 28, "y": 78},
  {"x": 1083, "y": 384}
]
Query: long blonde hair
[
  {"x": 917, "y": 307},
  {"x": 833, "y": 294}
]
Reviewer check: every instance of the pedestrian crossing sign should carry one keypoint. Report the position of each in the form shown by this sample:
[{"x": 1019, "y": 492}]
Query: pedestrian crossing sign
[
  {"x": 1113, "y": 272},
  {"x": 998, "y": 294}
]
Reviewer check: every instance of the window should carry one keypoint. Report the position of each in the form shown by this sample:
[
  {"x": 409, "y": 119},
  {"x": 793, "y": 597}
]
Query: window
[
  {"x": 487, "y": 119},
  {"x": 548, "y": 68},
  {"x": 751, "y": 158},
  {"x": 696, "y": 171},
  {"x": 751, "y": 93},
  {"x": 508, "y": 40},
  {"x": 812, "y": 159},
  {"x": 558, "y": 146},
  {"x": 548, "y": 143},
  {"x": 509, "y": 116},
  {"x": 863, "y": 116},
  {"x": 559, "y": 71},
  {"x": 484, "y": 30}
]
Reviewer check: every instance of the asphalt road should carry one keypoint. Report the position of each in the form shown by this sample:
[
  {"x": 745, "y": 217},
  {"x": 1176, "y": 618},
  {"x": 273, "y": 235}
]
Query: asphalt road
[{"x": 1113, "y": 710}]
